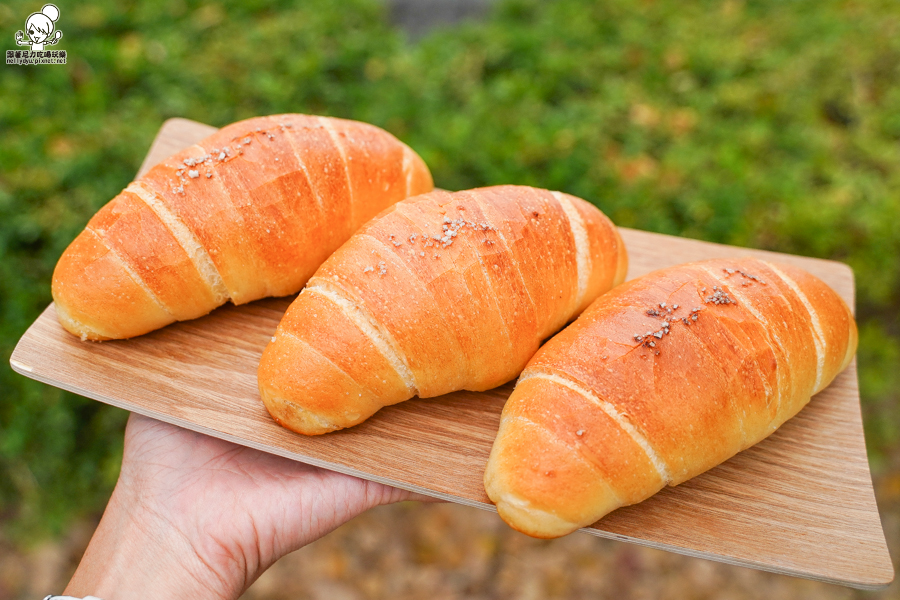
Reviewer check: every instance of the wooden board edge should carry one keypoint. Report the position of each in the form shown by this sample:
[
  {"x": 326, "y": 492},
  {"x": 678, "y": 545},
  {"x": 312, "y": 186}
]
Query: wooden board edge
[
  {"x": 749, "y": 564},
  {"x": 825, "y": 261},
  {"x": 772, "y": 255}
]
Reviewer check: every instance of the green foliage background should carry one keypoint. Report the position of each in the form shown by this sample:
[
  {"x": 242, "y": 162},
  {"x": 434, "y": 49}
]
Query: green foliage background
[{"x": 769, "y": 124}]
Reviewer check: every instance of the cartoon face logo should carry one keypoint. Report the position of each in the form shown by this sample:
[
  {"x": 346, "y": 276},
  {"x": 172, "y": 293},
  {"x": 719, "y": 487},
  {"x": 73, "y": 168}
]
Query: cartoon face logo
[{"x": 39, "y": 28}]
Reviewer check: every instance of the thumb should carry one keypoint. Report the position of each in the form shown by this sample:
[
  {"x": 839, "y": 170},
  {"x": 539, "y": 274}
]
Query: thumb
[
  {"x": 379, "y": 494},
  {"x": 415, "y": 497}
]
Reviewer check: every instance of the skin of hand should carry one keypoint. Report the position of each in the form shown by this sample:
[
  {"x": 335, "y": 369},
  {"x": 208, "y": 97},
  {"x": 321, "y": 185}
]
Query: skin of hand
[{"x": 197, "y": 517}]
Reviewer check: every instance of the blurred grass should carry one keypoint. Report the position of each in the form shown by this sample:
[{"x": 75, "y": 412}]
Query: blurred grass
[{"x": 765, "y": 124}]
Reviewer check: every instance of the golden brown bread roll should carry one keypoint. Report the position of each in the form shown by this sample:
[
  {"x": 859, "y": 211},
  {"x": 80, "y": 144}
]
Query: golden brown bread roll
[
  {"x": 249, "y": 212},
  {"x": 661, "y": 379},
  {"x": 441, "y": 292}
]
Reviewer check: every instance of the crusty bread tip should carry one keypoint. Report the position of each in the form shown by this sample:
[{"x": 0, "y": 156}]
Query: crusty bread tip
[{"x": 249, "y": 212}]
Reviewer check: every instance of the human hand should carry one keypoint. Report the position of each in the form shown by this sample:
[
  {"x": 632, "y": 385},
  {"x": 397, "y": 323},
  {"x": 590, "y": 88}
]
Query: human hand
[{"x": 195, "y": 516}]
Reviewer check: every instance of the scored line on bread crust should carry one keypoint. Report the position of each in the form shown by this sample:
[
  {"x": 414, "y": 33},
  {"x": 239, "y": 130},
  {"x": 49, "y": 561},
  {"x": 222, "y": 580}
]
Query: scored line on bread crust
[
  {"x": 818, "y": 335},
  {"x": 610, "y": 410},
  {"x": 507, "y": 250},
  {"x": 771, "y": 336},
  {"x": 317, "y": 418},
  {"x": 407, "y": 169},
  {"x": 576, "y": 454},
  {"x": 335, "y": 138},
  {"x": 131, "y": 272},
  {"x": 738, "y": 409},
  {"x": 237, "y": 195},
  {"x": 309, "y": 180},
  {"x": 490, "y": 281},
  {"x": 582, "y": 245},
  {"x": 369, "y": 327},
  {"x": 188, "y": 241}
]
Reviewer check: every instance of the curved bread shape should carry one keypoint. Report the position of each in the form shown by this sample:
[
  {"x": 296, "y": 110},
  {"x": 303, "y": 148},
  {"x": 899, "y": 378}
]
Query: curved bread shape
[
  {"x": 249, "y": 212},
  {"x": 659, "y": 380},
  {"x": 441, "y": 292}
]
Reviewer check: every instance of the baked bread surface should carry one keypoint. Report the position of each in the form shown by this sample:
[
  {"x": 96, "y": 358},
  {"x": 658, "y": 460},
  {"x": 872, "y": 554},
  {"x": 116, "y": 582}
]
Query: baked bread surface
[
  {"x": 249, "y": 212},
  {"x": 440, "y": 292},
  {"x": 659, "y": 380}
]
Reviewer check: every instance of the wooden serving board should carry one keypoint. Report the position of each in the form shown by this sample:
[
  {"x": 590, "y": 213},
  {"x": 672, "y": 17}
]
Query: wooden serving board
[{"x": 800, "y": 502}]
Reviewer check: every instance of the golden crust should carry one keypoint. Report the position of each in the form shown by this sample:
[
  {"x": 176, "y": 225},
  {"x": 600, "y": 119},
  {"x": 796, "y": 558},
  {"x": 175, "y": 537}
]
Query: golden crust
[
  {"x": 95, "y": 294},
  {"x": 154, "y": 255},
  {"x": 549, "y": 469},
  {"x": 693, "y": 363},
  {"x": 249, "y": 212},
  {"x": 455, "y": 291},
  {"x": 561, "y": 444},
  {"x": 337, "y": 366}
]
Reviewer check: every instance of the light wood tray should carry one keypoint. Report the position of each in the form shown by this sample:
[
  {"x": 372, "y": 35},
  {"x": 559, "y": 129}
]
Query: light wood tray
[{"x": 800, "y": 502}]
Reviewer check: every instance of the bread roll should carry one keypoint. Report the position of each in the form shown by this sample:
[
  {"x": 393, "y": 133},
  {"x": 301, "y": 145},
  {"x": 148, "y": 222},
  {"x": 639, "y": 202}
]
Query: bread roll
[
  {"x": 441, "y": 292},
  {"x": 249, "y": 212},
  {"x": 661, "y": 379}
]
